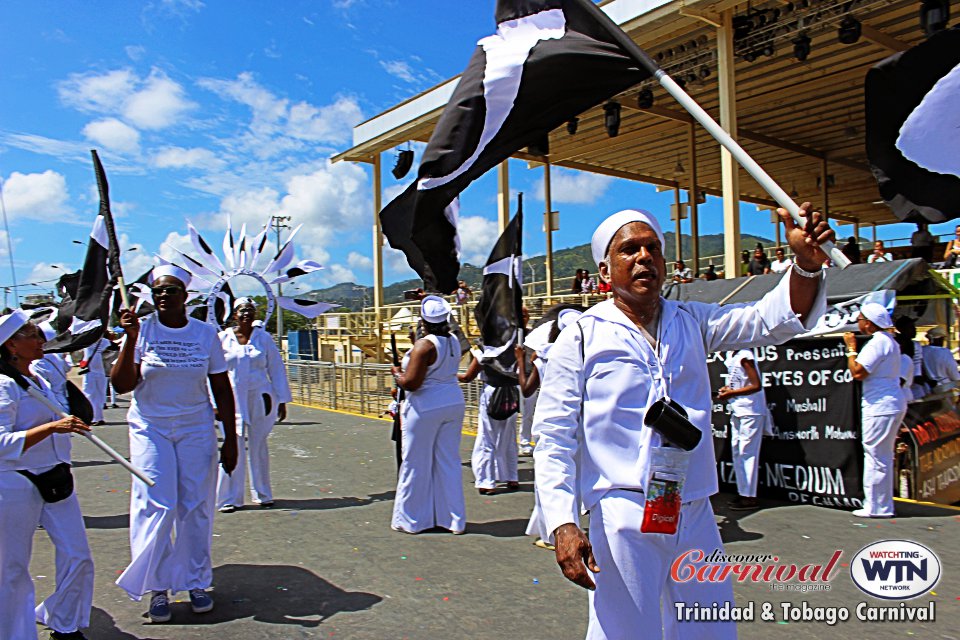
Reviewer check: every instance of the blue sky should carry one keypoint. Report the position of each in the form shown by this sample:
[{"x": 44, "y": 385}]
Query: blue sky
[{"x": 204, "y": 109}]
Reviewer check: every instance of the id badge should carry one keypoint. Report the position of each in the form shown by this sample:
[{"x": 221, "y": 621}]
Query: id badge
[
  {"x": 664, "y": 490},
  {"x": 661, "y": 513}
]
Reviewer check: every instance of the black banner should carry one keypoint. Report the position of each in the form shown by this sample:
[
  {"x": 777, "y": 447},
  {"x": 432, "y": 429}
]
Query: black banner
[
  {"x": 931, "y": 434},
  {"x": 815, "y": 455}
]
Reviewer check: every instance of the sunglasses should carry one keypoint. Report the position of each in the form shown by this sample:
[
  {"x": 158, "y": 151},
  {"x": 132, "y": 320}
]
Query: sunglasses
[{"x": 169, "y": 290}]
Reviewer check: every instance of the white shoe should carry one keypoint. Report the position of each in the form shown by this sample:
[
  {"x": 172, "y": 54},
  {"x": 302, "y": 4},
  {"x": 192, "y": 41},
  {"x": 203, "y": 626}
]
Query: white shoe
[
  {"x": 526, "y": 451},
  {"x": 863, "y": 513}
]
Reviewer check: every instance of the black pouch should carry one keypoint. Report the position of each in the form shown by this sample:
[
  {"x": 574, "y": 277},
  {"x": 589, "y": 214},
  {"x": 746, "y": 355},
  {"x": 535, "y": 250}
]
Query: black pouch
[
  {"x": 504, "y": 402},
  {"x": 267, "y": 404},
  {"x": 54, "y": 485}
]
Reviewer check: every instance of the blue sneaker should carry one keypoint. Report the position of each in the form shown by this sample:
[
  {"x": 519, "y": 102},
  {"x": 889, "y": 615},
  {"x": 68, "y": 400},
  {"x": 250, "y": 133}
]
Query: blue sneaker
[
  {"x": 200, "y": 601},
  {"x": 159, "y": 607}
]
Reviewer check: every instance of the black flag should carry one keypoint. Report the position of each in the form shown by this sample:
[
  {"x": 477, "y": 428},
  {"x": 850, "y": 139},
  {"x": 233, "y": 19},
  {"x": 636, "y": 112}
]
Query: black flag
[
  {"x": 911, "y": 109},
  {"x": 86, "y": 314},
  {"x": 499, "y": 313},
  {"x": 81, "y": 320},
  {"x": 548, "y": 62}
]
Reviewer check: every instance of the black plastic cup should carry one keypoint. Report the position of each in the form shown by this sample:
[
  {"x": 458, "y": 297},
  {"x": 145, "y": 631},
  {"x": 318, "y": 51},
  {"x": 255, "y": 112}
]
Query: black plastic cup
[{"x": 670, "y": 421}]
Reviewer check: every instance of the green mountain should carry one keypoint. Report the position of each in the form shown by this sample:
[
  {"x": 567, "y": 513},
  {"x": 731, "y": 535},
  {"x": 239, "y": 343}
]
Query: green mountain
[{"x": 565, "y": 264}]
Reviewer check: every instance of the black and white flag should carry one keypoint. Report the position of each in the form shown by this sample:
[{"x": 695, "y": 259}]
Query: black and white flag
[
  {"x": 499, "y": 312},
  {"x": 548, "y": 61},
  {"x": 80, "y": 319},
  {"x": 912, "y": 104},
  {"x": 89, "y": 310}
]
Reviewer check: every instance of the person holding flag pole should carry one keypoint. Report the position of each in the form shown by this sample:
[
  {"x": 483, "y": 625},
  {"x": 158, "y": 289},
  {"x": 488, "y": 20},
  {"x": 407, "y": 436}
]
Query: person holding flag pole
[{"x": 36, "y": 488}]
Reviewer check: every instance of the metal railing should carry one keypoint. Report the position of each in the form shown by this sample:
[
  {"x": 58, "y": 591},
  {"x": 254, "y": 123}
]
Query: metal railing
[{"x": 359, "y": 388}]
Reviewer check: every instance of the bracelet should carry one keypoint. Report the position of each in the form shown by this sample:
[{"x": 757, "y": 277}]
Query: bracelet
[
  {"x": 800, "y": 271},
  {"x": 851, "y": 353}
]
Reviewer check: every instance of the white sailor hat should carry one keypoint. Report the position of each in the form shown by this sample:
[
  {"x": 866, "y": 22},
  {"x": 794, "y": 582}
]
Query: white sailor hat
[
  {"x": 434, "y": 309},
  {"x": 239, "y": 302},
  {"x": 11, "y": 323},
  {"x": 172, "y": 270},
  {"x": 609, "y": 227}
]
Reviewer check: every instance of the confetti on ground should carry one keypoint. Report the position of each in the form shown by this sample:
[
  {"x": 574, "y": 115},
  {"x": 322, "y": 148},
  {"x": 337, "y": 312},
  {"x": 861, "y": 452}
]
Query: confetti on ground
[
  {"x": 805, "y": 537},
  {"x": 535, "y": 581},
  {"x": 445, "y": 598},
  {"x": 782, "y": 622},
  {"x": 844, "y": 564},
  {"x": 418, "y": 579},
  {"x": 861, "y": 525},
  {"x": 933, "y": 593},
  {"x": 403, "y": 557}
]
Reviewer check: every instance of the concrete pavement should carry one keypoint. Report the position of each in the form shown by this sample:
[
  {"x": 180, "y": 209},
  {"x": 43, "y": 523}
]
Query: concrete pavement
[{"x": 325, "y": 564}]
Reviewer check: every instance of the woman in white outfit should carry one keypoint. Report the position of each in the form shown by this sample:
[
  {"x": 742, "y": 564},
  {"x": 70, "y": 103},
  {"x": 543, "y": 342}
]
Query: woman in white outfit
[
  {"x": 494, "y": 457},
  {"x": 167, "y": 363},
  {"x": 749, "y": 420},
  {"x": 883, "y": 406},
  {"x": 429, "y": 488},
  {"x": 261, "y": 393},
  {"x": 54, "y": 367},
  {"x": 95, "y": 380},
  {"x": 529, "y": 385},
  {"x": 36, "y": 440}
]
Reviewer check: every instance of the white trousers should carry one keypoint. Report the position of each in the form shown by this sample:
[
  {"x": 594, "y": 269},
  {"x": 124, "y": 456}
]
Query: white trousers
[
  {"x": 537, "y": 526},
  {"x": 746, "y": 436},
  {"x": 429, "y": 486},
  {"x": 879, "y": 435},
  {"x": 495, "y": 449},
  {"x": 635, "y": 594},
  {"x": 95, "y": 388},
  {"x": 252, "y": 445},
  {"x": 67, "y": 609},
  {"x": 529, "y": 405},
  {"x": 171, "y": 523}
]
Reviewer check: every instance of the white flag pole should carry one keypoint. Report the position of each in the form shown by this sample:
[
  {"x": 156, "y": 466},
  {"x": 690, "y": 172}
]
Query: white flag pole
[{"x": 712, "y": 126}]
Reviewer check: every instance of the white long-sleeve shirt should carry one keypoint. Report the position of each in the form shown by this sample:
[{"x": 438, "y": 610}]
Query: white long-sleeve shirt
[
  {"x": 53, "y": 367},
  {"x": 940, "y": 366},
  {"x": 255, "y": 366},
  {"x": 595, "y": 403},
  {"x": 20, "y": 412}
]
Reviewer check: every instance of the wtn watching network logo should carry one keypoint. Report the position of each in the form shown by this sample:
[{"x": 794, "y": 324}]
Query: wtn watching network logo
[{"x": 895, "y": 569}]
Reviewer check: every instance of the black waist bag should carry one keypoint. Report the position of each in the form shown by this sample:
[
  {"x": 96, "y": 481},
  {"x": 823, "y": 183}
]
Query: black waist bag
[
  {"x": 54, "y": 485},
  {"x": 504, "y": 402}
]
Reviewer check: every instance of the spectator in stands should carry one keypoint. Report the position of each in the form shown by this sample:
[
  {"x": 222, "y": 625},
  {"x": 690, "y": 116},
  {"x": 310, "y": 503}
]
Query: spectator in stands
[
  {"x": 587, "y": 283},
  {"x": 782, "y": 263},
  {"x": 921, "y": 243},
  {"x": 880, "y": 254},
  {"x": 681, "y": 272},
  {"x": 464, "y": 293},
  {"x": 709, "y": 274},
  {"x": 952, "y": 253},
  {"x": 575, "y": 286},
  {"x": 744, "y": 263},
  {"x": 852, "y": 250},
  {"x": 759, "y": 264},
  {"x": 939, "y": 364}
]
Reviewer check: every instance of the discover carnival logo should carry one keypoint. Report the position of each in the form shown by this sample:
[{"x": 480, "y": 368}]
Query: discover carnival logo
[{"x": 895, "y": 569}]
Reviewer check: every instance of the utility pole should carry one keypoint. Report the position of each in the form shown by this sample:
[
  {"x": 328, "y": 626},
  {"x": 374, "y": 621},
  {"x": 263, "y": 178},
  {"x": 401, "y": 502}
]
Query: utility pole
[{"x": 278, "y": 223}]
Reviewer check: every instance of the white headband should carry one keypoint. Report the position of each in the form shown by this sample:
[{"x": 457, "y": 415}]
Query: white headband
[
  {"x": 174, "y": 271},
  {"x": 609, "y": 227},
  {"x": 239, "y": 302}
]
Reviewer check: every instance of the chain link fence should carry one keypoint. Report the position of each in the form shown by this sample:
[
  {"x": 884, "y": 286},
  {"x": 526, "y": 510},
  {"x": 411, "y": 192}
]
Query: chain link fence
[{"x": 359, "y": 388}]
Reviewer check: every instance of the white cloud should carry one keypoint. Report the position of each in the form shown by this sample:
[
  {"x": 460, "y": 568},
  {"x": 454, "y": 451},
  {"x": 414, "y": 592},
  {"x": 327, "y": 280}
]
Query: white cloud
[
  {"x": 114, "y": 135},
  {"x": 159, "y": 104},
  {"x": 37, "y": 196},
  {"x": 399, "y": 69},
  {"x": 154, "y": 102},
  {"x": 252, "y": 208},
  {"x": 573, "y": 187},
  {"x": 276, "y": 126},
  {"x": 331, "y": 202},
  {"x": 135, "y": 51},
  {"x": 179, "y": 241},
  {"x": 47, "y": 273},
  {"x": 61, "y": 149},
  {"x": 477, "y": 237},
  {"x": 359, "y": 261},
  {"x": 180, "y": 158},
  {"x": 98, "y": 93},
  {"x": 337, "y": 273},
  {"x": 332, "y": 123}
]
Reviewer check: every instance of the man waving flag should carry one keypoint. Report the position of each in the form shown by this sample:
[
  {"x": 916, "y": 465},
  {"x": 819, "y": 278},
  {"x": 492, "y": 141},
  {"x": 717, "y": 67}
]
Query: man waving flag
[{"x": 548, "y": 61}]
